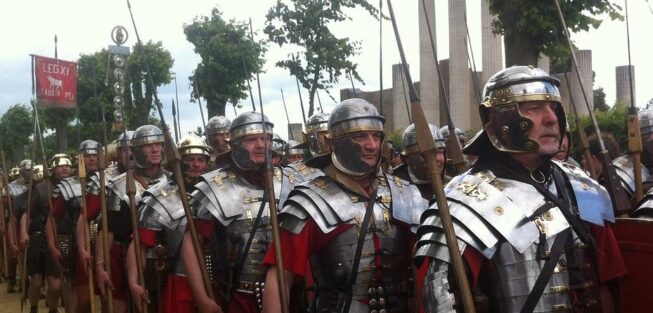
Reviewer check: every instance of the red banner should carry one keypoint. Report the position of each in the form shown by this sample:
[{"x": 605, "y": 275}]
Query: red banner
[{"x": 56, "y": 82}]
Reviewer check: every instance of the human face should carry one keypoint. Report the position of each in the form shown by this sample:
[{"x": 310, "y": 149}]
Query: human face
[
  {"x": 256, "y": 146},
  {"x": 90, "y": 162},
  {"x": 370, "y": 142},
  {"x": 219, "y": 142},
  {"x": 564, "y": 150},
  {"x": 294, "y": 158},
  {"x": 546, "y": 129},
  {"x": 152, "y": 152},
  {"x": 196, "y": 164},
  {"x": 62, "y": 171}
]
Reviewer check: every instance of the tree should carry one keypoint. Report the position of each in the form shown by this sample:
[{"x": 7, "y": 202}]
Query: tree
[
  {"x": 599, "y": 100},
  {"x": 614, "y": 120},
  {"x": 323, "y": 57},
  {"x": 137, "y": 82},
  {"x": 16, "y": 127},
  {"x": 229, "y": 58},
  {"x": 94, "y": 97},
  {"x": 531, "y": 27}
]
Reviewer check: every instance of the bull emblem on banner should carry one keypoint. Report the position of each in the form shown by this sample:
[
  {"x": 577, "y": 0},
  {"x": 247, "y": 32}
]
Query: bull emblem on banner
[{"x": 55, "y": 83}]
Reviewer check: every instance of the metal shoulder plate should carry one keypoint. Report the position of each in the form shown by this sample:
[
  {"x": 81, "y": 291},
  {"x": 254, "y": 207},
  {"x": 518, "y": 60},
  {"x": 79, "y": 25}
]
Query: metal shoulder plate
[
  {"x": 624, "y": 168},
  {"x": 93, "y": 184},
  {"x": 69, "y": 188},
  {"x": 227, "y": 197},
  {"x": 592, "y": 199},
  {"x": 304, "y": 172},
  {"x": 645, "y": 206},
  {"x": 407, "y": 202},
  {"x": 161, "y": 206},
  {"x": 486, "y": 210},
  {"x": 17, "y": 187},
  {"x": 117, "y": 191},
  {"x": 329, "y": 206}
]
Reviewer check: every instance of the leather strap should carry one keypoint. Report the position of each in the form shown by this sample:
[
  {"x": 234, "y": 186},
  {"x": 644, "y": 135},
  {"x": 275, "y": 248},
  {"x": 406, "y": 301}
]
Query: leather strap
[
  {"x": 359, "y": 249},
  {"x": 556, "y": 251}
]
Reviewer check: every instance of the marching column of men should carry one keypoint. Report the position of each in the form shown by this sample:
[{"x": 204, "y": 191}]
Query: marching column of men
[{"x": 534, "y": 230}]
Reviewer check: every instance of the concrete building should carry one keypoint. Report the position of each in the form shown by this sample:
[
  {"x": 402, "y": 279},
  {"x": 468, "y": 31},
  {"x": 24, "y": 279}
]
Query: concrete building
[
  {"x": 429, "y": 90},
  {"x": 623, "y": 79}
]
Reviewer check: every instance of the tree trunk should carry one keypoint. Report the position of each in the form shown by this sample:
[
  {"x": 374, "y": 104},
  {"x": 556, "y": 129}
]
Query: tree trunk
[
  {"x": 520, "y": 49},
  {"x": 61, "y": 138},
  {"x": 215, "y": 107}
]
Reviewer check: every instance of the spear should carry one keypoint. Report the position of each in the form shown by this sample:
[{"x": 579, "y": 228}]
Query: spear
[
  {"x": 174, "y": 159},
  {"x": 50, "y": 218},
  {"x": 634, "y": 133},
  {"x": 286, "y": 109},
  {"x": 426, "y": 145},
  {"x": 103, "y": 197},
  {"x": 87, "y": 232},
  {"x": 454, "y": 150},
  {"x": 584, "y": 144},
  {"x": 258, "y": 80},
  {"x": 299, "y": 91},
  {"x": 174, "y": 119},
  {"x": 620, "y": 202}
]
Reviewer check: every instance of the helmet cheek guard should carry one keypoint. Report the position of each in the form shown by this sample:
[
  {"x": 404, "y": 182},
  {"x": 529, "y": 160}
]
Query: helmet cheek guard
[
  {"x": 503, "y": 124},
  {"x": 347, "y": 157},
  {"x": 351, "y": 116}
]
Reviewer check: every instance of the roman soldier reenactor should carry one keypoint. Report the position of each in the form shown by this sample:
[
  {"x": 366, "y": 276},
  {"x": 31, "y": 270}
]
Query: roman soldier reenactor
[
  {"x": 162, "y": 225},
  {"x": 535, "y": 232},
  {"x": 147, "y": 146},
  {"x": 233, "y": 221},
  {"x": 321, "y": 222},
  {"x": 414, "y": 168},
  {"x": 217, "y": 136}
]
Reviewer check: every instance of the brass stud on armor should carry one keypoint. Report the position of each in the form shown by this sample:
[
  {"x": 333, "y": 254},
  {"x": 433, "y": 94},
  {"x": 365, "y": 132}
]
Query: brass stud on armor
[
  {"x": 523, "y": 125},
  {"x": 373, "y": 303},
  {"x": 383, "y": 311},
  {"x": 529, "y": 145},
  {"x": 505, "y": 129},
  {"x": 498, "y": 211}
]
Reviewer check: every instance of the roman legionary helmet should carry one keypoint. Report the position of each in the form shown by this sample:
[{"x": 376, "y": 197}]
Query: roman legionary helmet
[
  {"x": 89, "y": 147},
  {"x": 409, "y": 139},
  {"x": 144, "y": 135},
  {"x": 646, "y": 128},
  {"x": 218, "y": 125},
  {"x": 459, "y": 133},
  {"x": 316, "y": 124},
  {"x": 410, "y": 150},
  {"x": 124, "y": 140},
  {"x": 193, "y": 144},
  {"x": 60, "y": 159},
  {"x": 278, "y": 144},
  {"x": 508, "y": 129},
  {"x": 24, "y": 169},
  {"x": 38, "y": 173},
  {"x": 245, "y": 124},
  {"x": 293, "y": 147},
  {"x": 352, "y": 115}
]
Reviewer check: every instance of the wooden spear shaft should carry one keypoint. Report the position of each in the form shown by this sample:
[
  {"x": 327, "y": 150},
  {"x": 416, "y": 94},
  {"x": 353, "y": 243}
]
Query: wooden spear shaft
[
  {"x": 105, "y": 224},
  {"x": 427, "y": 148},
  {"x": 87, "y": 232}
]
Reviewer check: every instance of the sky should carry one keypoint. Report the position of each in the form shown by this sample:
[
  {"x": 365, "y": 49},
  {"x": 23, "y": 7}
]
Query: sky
[{"x": 84, "y": 26}]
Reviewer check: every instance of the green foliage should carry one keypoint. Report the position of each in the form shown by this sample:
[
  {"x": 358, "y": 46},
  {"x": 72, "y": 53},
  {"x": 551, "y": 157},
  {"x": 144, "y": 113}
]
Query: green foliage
[
  {"x": 599, "y": 100},
  {"x": 94, "y": 98},
  {"x": 229, "y": 58},
  {"x": 16, "y": 127},
  {"x": 531, "y": 27},
  {"x": 138, "y": 85},
  {"x": 613, "y": 120},
  {"x": 395, "y": 138},
  {"x": 323, "y": 57}
]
